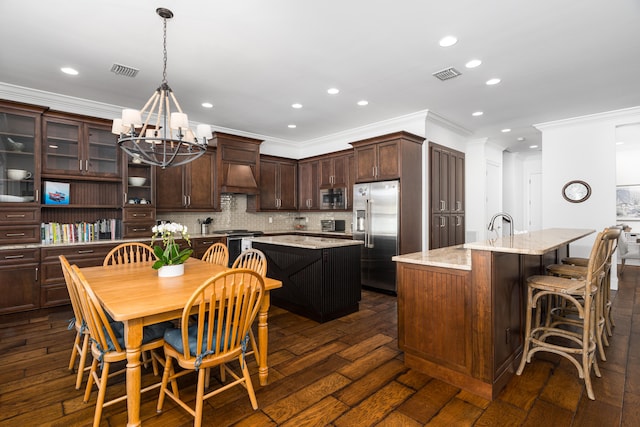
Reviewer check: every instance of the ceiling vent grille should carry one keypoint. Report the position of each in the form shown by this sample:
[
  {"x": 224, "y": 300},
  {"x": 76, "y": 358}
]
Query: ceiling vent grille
[
  {"x": 123, "y": 70},
  {"x": 447, "y": 73}
]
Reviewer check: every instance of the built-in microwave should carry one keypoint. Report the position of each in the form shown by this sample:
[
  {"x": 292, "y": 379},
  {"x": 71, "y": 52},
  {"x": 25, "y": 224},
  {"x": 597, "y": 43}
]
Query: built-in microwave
[{"x": 333, "y": 198}]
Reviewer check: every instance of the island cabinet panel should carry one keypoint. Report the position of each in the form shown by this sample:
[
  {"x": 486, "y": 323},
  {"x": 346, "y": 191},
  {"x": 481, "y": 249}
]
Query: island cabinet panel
[
  {"x": 423, "y": 318},
  {"x": 320, "y": 284}
]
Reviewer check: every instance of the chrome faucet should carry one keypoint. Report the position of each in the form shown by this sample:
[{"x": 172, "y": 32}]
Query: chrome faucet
[{"x": 506, "y": 217}]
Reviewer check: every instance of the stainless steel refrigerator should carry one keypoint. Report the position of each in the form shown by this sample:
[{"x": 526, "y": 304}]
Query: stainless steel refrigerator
[{"x": 376, "y": 222}]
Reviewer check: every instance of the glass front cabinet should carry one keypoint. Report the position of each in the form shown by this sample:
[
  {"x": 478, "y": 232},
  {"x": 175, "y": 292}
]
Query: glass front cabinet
[
  {"x": 81, "y": 147},
  {"x": 19, "y": 152}
]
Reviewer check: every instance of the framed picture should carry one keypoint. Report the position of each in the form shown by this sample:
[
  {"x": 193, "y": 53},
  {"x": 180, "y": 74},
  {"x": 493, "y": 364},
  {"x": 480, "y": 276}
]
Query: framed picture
[
  {"x": 56, "y": 193},
  {"x": 628, "y": 202}
]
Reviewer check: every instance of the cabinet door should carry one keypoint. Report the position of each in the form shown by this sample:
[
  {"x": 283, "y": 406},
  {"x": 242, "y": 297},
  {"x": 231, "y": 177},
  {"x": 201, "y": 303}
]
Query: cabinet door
[
  {"x": 458, "y": 223},
  {"x": 135, "y": 193},
  {"x": 308, "y": 185},
  {"x": 439, "y": 235},
  {"x": 459, "y": 177},
  {"x": 201, "y": 193},
  {"x": 61, "y": 147},
  {"x": 19, "y": 142},
  {"x": 351, "y": 180},
  {"x": 170, "y": 188},
  {"x": 101, "y": 156},
  {"x": 288, "y": 186},
  {"x": 388, "y": 161},
  {"x": 19, "y": 281},
  {"x": 365, "y": 163},
  {"x": 326, "y": 172},
  {"x": 439, "y": 174},
  {"x": 340, "y": 171},
  {"x": 268, "y": 184}
]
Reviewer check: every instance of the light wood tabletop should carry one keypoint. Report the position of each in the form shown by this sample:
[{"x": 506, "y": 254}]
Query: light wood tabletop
[{"x": 136, "y": 296}]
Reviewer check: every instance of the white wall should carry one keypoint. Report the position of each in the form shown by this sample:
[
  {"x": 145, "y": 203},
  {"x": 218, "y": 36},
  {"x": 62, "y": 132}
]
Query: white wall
[{"x": 582, "y": 148}]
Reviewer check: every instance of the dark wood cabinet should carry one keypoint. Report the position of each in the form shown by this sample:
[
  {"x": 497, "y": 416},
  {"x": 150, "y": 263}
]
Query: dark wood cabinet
[
  {"x": 191, "y": 186},
  {"x": 53, "y": 289},
  {"x": 278, "y": 185},
  {"x": 308, "y": 185},
  {"x": 446, "y": 196},
  {"x": 388, "y": 157},
  {"x": 19, "y": 280},
  {"x": 79, "y": 146},
  {"x": 333, "y": 171},
  {"x": 201, "y": 244}
]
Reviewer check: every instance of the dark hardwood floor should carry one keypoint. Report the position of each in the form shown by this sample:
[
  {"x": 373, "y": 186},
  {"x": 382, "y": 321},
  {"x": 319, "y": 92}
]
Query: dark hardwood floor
[{"x": 348, "y": 372}]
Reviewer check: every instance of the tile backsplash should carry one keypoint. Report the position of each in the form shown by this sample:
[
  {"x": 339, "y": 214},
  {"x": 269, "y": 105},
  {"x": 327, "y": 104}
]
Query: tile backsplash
[{"x": 234, "y": 215}]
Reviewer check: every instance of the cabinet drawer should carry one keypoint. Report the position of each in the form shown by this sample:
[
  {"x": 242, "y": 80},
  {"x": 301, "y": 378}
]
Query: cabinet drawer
[
  {"x": 76, "y": 252},
  {"x": 20, "y": 215},
  {"x": 21, "y": 256},
  {"x": 19, "y": 234},
  {"x": 139, "y": 214},
  {"x": 137, "y": 230}
]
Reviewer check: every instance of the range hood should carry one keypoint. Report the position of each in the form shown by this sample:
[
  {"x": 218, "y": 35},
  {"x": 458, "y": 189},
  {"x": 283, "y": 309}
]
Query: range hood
[{"x": 238, "y": 178}]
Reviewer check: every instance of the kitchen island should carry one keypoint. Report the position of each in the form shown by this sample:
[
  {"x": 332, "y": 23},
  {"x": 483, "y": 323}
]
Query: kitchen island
[
  {"x": 461, "y": 309},
  {"x": 320, "y": 276}
]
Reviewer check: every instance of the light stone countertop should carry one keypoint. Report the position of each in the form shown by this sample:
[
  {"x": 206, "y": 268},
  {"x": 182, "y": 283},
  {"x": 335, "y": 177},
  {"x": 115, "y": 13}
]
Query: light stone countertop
[
  {"x": 533, "y": 243},
  {"x": 306, "y": 242},
  {"x": 450, "y": 257}
]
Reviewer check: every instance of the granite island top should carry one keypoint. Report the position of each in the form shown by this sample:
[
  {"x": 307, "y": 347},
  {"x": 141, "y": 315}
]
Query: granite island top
[
  {"x": 306, "y": 242},
  {"x": 533, "y": 243}
]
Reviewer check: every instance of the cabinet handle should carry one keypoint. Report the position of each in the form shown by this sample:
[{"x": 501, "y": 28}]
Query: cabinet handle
[
  {"x": 13, "y": 256},
  {"x": 80, "y": 165},
  {"x": 37, "y": 271},
  {"x": 443, "y": 205},
  {"x": 458, "y": 221},
  {"x": 135, "y": 215},
  {"x": 207, "y": 243},
  {"x": 188, "y": 200},
  {"x": 15, "y": 215},
  {"x": 86, "y": 251},
  {"x": 373, "y": 171},
  {"x": 14, "y": 234},
  {"x": 37, "y": 196},
  {"x": 140, "y": 229},
  {"x": 86, "y": 165},
  {"x": 442, "y": 222},
  {"x": 124, "y": 198}
]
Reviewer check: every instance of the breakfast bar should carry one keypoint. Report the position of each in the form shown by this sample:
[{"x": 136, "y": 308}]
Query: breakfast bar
[{"x": 461, "y": 308}]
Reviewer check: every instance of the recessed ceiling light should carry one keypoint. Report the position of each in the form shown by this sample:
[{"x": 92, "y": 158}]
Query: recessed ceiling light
[
  {"x": 521, "y": 138},
  {"x": 69, "y": 70},
  {"x": 448, "y": 41},
  {"x": 492, "y": 82},
  {"x": 619, "y": 142},
  {"x": 207, "y": 105},
  {"x": 533, "y": 146},
  {"x": 333, "y": 91},
  {"x": 477, "y": 113},
  {"x": 291, "y": 126},
  {"x": 296, "y": 105},
  {"x": 506, "y": 130},
  {"x": 473, "y": 63},
  {"x": 363, "y": 103}
]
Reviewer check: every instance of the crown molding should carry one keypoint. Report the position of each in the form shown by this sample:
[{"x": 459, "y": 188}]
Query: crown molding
[
  {"x": 446, "y": 123},
  {"x": 604, "y": 116}
]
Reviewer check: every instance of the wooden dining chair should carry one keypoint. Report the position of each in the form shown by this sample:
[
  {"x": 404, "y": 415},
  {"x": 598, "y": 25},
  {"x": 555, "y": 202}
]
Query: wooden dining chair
[
  {"x": 227, "y": 305},
  {"x": 218, "y": 253},
  {"x": 127, "y": 253},
  {"x": 78, "y": 323},
  {"x": 253, "y": 259},
  {"x": 107, "y": 344}
]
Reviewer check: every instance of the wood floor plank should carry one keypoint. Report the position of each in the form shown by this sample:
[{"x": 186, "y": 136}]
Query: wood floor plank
[
  {"x": 456, "y": 413},
  {"x": 376, "y": 407},
  {"x": 427, "y": 402},
  {"x": 500, "y": 413},
  {"x": 542, "y": 411},
  {"x": 321, "y": 414},
  {"x": 365, "y": 364},
  {"x": 370, "y": 383},
  {"x": 563, "y": 389}
]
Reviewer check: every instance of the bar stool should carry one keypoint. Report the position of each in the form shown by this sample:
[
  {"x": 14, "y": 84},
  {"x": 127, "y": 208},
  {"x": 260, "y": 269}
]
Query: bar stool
[
  {"x": 577, "y": 343},
  {"x": 578, "y": 270}
]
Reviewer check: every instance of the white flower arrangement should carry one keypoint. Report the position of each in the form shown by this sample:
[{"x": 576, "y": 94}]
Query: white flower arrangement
[{"x": 171, "y": 253}]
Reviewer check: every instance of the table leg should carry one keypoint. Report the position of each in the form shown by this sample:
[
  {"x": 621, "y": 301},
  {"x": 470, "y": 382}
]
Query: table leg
[
  {"x": 133, "y": 342},
  {"x": 263, "y": 338}
]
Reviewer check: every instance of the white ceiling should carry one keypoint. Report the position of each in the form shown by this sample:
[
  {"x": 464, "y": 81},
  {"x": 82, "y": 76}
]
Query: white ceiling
[{"x": 253, "y": 58}]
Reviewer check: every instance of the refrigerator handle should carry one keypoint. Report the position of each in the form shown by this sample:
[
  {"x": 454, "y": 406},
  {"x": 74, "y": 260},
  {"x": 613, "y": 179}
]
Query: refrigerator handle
[{"x": 368, "y": 237}]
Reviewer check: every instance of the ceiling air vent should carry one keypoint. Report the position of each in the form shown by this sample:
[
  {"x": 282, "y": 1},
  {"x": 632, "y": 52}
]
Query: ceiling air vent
[
  {"x": 447, "y": 73},
  {"x": 123, "y": 70}
]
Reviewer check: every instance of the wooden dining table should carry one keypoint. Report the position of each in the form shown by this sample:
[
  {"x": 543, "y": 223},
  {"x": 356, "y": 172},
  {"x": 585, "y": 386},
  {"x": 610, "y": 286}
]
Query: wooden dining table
[{"x": 134, "y": 295}]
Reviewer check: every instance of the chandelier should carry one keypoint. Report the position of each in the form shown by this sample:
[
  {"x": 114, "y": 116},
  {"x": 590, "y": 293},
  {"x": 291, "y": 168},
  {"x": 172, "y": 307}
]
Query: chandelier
[{"x": 164, "y": 138}]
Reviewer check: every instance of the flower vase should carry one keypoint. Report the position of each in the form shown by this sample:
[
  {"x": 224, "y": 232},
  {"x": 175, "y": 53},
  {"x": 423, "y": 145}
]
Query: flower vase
[{"x": 171, "y": 270}]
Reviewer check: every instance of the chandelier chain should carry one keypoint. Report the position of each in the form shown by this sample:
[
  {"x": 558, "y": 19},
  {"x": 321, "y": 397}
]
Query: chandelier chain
[{"x": 164, "y": 51}]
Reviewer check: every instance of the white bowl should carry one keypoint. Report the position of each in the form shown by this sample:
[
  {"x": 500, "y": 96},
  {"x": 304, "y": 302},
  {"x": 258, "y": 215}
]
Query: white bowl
[{"x": 137, "y": 181}]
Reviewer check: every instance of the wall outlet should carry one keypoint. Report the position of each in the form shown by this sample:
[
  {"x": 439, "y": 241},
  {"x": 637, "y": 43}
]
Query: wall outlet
[{"x": 270, "y": 220}]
